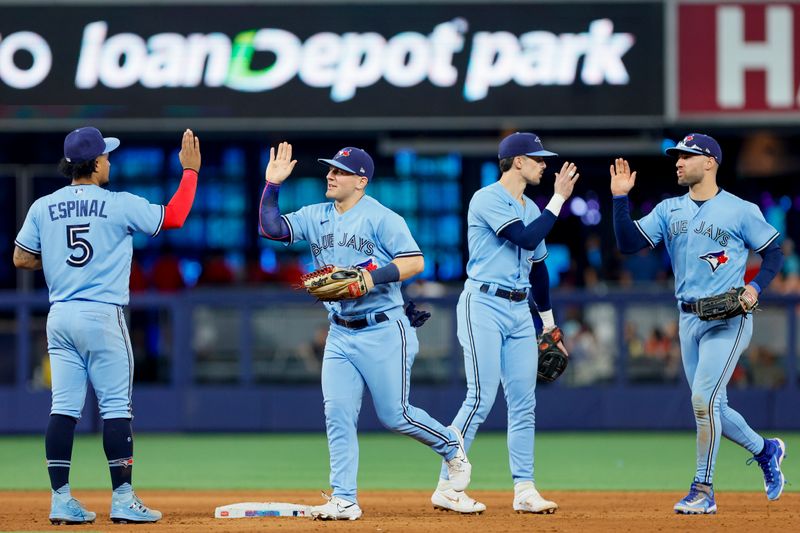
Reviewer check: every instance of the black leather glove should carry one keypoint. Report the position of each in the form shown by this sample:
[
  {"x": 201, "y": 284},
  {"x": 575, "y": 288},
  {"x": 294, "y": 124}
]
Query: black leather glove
[{"x": 416, "y": 316}]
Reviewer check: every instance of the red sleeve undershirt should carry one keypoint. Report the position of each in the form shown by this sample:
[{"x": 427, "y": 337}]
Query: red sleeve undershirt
[{"x": 176, "y": 211}]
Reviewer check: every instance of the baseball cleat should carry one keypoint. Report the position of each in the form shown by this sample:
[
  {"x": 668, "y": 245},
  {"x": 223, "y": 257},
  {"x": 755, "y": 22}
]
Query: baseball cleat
[
  {"x": 770, "y": 461},
  {"x": 528, "y": 500},
  {"x": 700, "y": 500},
  {"x": 459, "y": 468},
  {"x": 444, "y": 498},
  {"x": 64, "y": 509},
  {"x": 128, "y": 508},
  {"x": 336, "y": 509}
]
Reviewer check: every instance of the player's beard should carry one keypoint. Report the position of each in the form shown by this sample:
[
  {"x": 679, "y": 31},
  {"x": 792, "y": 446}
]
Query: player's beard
[{"x": 688, "y": 180}]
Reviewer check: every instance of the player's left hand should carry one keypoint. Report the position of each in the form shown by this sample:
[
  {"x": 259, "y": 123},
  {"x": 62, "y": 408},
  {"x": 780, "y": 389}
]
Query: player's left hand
[
  {"x": 622, "y": 179},
  {"x": 565, "y": 179},
  {"x": 190, "y": 151}
]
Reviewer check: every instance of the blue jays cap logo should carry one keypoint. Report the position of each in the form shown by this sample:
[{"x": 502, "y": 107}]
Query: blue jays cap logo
[
  {"x": 353, "y": 160},
  {"x": 715, "y": 259},
  {"x": 697, "y": 143}
]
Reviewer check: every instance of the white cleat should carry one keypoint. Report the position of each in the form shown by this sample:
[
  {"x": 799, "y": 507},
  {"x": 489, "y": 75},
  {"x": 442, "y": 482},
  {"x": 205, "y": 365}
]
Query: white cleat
[
  {"x": 336, "y": 509},
  {"x": 528, "y": 500},
  {"x": 459, "y": 468},
  {"x": 445, "y": 498}
]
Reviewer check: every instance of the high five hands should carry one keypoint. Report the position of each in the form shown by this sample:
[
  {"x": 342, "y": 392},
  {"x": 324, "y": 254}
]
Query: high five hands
[
  {"x": 565, "y": 179},
  {"x": 280, "y": 165},
  {"x": 622, "y": 180}
]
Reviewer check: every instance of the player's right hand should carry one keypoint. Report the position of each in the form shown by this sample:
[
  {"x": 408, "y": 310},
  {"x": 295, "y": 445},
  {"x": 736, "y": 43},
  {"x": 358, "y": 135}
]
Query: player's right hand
[
  {"x": 190, "y": 151},
  {"x": 622, "y": 180},
  {"x": 565, "y": 179},
  {"x": 280, "y": 165}
]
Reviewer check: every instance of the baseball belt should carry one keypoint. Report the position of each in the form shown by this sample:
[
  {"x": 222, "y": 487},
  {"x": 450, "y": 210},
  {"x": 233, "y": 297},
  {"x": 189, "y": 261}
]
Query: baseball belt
[
  {"x": 514, "y": 296},
  {"x": 358, "y": 323}
]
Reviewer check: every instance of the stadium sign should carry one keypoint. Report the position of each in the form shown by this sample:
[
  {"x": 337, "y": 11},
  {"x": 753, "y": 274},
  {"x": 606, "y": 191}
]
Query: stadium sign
[
  {"x": 739, "y": 59},
  {"x": 485, "y": 61}
]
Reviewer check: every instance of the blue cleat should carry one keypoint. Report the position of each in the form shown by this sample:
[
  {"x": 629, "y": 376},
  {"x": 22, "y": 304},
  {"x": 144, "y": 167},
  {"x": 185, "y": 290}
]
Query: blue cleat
[
  {"x": 64, "y": 509},
  {"x": 700, "y": 500},
  {"x": 770, "y": 462},
  {"x": 128, "y": 508}
]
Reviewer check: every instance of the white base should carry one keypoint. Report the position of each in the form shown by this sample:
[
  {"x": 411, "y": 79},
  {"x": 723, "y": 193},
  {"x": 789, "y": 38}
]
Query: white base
[{"x": 262, "y": 509}]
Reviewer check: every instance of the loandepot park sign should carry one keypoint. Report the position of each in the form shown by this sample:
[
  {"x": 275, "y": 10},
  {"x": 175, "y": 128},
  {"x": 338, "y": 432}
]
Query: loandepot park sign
[
  {"x": 343, "y": 63},
  {"x": 442, "y": 64}
]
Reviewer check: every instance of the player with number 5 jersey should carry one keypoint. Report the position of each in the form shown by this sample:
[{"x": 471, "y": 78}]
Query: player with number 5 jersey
[{"x": 82, "y": 237}]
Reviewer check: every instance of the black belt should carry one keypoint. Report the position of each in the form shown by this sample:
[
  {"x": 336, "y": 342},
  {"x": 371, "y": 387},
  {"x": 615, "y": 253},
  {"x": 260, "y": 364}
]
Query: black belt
[
  {"x": 514, "y": 296},
  {"x": 358, "y": 323},
  {"x": 688, "y": 307}
]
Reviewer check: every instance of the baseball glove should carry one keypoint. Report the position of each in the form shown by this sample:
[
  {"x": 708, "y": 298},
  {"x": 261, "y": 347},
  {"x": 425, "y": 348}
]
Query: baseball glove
[
  {"x": 331, "y": 283},
  {"x": 553, "y": 359},
  {"x": 729, "y": 304},
  {"x": 417, "y": 317}
]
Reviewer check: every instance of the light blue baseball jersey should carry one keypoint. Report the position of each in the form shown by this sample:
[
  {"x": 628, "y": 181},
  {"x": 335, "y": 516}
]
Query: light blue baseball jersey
[
  {"x": 708, "y": 245},
  {"x": 84, "y": 234},
  {"x": 493, "y": 259},
  {"x": 368, "y": 235}
]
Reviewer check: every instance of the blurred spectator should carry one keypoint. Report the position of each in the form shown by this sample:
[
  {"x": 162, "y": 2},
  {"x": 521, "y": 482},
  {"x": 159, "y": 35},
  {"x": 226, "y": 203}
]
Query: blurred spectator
[
  {"x": 790, "y": 273},
  {"x": 138, "y": 281},
  {"x": 216, "y": 270},
  {"x": 760, "y": 367},
  {"x": 254, "y": 273},
  {"x": 643, "y": 267},
  {"x": 311, "y": 352},
  {"x": 762, "y": 154},
  {"x": 166, "y": 271},
  {"x": 766, "y": 370},
  {"x": 420, "y": 288},
  {"x": 633, "y": 342},
  {"x": 752, "y": 267}
]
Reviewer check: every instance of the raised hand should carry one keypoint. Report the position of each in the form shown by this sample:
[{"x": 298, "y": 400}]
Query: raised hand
[
  {"x": 190, "y": 151},
  {"x": 280, "y": 164},
  {"x": 622, "y": 180},
  {"x": 565, "y": 179}
]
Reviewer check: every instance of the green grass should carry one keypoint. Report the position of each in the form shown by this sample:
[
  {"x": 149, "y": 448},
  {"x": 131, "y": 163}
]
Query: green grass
[{"x": 564, "y": 461}]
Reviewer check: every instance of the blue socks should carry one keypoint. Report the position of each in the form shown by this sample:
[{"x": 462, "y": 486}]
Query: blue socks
[
  {"x": 58, "y": 449},
  {"x": 118, "y": 445}
]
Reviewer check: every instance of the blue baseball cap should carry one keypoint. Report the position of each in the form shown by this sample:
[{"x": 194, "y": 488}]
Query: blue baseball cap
[
  {"x": 697, "y": 143},
  {"x": 522, "y": 144},
  {"x": 353, "y": 160},
  {"x": 85, "y": 144}
]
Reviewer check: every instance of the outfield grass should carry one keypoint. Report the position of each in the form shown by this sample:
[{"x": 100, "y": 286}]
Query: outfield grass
[{"x": 564, "y": 461}]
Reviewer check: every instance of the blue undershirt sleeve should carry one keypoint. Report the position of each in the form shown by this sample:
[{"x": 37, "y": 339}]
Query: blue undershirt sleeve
[
  {"x": 629, "y": 239},
  {"x": 528, "y": 237},
  {"x": 540, "y": 286},
  {"x": 771, "y": 264},
  {"x": 270, "y": 223}
]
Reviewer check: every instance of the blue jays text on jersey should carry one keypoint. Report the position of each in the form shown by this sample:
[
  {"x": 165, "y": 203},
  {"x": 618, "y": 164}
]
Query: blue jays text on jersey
[
  {"x": 366, "y": 234},
  {"x": 361, "y": 244},
  {"x": 708, "y": 244}
]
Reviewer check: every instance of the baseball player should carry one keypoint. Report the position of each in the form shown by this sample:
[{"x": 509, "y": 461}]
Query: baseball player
[
  {"x": 495, "y": 328},
  {"x": 81, "y": 236},
  {"x": 707, "y": 233},
  {"x": 370, "y": 341}
]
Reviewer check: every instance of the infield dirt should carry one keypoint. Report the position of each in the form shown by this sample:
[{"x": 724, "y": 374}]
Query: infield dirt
[{"x": 408, "y": 511}]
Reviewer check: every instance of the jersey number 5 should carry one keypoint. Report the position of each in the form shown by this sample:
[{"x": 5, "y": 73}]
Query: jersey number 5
[{"x": 81, "y": 246}]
